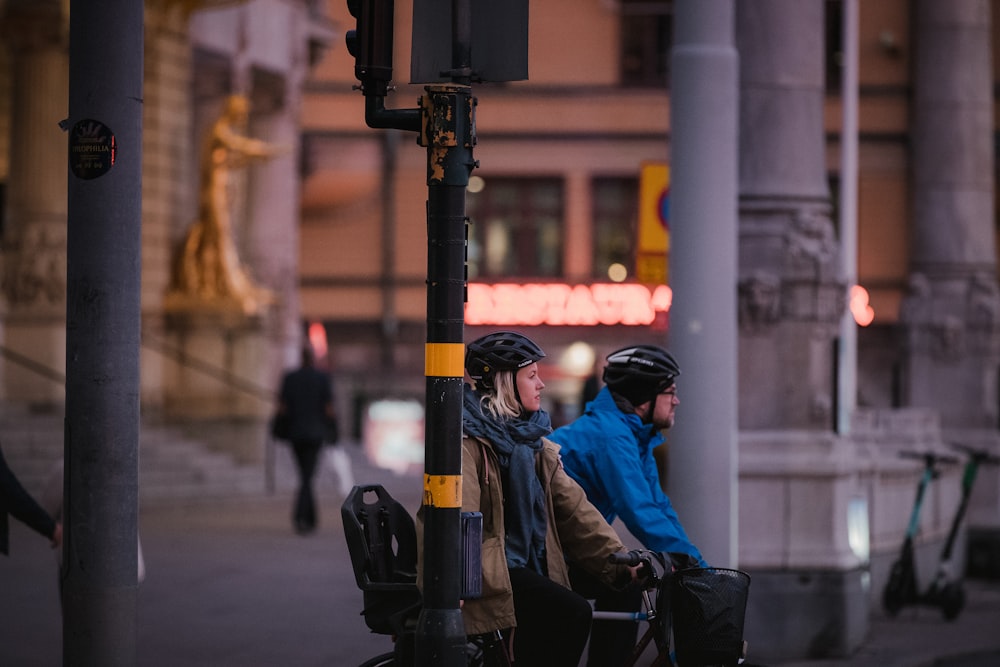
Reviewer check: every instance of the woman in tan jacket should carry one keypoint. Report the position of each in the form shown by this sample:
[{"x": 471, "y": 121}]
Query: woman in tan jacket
[{"x": 535, "y": 517}]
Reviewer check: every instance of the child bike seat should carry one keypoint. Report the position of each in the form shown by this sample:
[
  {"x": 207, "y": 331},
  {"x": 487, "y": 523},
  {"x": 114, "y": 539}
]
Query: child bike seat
[{"x": 382, "y": 541}]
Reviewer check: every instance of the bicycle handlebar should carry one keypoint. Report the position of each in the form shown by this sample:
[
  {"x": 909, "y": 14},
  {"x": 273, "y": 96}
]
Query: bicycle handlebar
[{"x": 630, "y": 558}]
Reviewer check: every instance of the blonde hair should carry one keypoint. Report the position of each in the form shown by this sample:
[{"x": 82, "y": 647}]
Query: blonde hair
[{"x": 501, "y": 402}]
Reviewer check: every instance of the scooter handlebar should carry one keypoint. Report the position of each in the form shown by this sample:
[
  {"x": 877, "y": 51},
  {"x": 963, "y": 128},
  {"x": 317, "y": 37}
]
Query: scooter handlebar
[
  {"x": 928, "y": 456},
  {"x": 983, "y": 456}
]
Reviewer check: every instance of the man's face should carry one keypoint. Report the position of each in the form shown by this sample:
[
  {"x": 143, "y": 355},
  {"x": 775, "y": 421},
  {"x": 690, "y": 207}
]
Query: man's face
[{"x": 663, "y": 408}]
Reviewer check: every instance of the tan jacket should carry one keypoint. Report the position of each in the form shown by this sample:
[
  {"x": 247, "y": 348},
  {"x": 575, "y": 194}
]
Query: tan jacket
[{"x": 576, "y": 530}]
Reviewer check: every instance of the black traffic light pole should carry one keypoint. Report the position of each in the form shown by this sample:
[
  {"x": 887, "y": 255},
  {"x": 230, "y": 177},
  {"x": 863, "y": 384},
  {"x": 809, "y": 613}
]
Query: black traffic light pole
[{"x": 446, "y": 122}]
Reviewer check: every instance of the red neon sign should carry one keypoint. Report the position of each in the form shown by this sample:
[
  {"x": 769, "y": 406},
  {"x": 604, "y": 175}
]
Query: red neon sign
[{"x": 557, "y": 304}]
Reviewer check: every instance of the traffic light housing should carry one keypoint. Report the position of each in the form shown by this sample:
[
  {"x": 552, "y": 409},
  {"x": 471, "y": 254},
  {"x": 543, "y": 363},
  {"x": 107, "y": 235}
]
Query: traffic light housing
[{"x": 371, "y": 44}]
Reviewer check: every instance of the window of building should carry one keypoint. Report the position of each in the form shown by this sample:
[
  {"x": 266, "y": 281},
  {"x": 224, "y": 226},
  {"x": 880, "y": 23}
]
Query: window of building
[
  {"x": 516, "y": 228},
  {"x": 615, "y": 208},
  {"x": 646, "y": 37}
]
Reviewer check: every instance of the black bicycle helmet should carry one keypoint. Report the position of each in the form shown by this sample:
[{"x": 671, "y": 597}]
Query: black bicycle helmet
[
  {"x": 640, "y": 372},
  {"x": 499, "y": 351}
]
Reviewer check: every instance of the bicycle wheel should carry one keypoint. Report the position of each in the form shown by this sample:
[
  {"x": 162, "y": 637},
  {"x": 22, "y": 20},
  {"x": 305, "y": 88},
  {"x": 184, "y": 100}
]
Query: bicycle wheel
[{"x": 384, "y": 660}]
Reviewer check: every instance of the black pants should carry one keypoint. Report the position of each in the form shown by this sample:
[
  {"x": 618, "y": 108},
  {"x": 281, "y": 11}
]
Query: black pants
[
  {"x": 611, "y": 642},
  {"x": 552, "y": 621},
  {"x": 306, "y": 459}
]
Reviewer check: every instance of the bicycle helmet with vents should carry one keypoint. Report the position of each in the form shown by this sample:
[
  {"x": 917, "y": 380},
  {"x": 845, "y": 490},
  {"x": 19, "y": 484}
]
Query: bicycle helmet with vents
[
  {"x": 499, "y": 351},
  {"x": 640, "y": 372}
]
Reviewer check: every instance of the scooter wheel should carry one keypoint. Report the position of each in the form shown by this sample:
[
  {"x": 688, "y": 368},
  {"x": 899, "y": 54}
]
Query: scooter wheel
[
  {"x": 892, "y": 596},
  {"x": 952, "y": 601}
]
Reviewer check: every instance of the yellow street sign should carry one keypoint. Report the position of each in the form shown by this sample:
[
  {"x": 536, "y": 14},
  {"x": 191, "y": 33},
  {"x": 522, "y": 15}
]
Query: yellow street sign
[{"x": 654, "y": 229}]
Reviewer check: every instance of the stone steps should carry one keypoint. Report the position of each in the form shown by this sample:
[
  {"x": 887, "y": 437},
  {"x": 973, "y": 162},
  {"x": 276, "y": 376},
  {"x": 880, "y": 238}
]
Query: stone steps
[{"x": 172, "y": 465}]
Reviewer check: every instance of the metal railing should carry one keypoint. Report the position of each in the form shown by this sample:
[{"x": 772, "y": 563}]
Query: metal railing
[{"x": 179, "y": 356}]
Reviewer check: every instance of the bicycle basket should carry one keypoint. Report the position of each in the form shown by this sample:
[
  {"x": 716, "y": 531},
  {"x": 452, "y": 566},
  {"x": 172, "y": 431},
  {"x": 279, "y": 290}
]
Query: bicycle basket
[{"x": 708, "y": 606}]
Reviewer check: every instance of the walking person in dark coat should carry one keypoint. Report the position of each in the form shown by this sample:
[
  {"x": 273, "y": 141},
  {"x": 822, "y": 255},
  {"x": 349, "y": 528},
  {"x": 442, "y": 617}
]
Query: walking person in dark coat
[
  {"x": 306, "y": 399},
  {"x": 17, "y": 502}
]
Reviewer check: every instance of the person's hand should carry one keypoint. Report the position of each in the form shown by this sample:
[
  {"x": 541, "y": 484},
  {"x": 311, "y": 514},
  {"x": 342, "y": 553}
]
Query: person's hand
[
  {"x": 636, "y": 564},
  {"x": 57, "y": 535}
]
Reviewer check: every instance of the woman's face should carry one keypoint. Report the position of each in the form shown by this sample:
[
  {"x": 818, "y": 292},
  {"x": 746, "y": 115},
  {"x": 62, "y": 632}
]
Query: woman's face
[{"x": 529, "y": 387}]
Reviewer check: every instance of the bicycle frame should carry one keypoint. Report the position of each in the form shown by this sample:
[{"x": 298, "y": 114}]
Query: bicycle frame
[{"x": 653, "y": 632}]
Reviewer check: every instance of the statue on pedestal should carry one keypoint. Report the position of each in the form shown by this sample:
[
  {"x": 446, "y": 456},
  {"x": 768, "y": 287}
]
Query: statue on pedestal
[{"x": 207, "y": 274}]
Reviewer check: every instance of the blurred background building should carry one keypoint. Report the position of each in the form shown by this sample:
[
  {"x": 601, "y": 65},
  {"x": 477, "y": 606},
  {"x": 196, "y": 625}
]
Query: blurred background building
[{"x": 569, "y": 235}]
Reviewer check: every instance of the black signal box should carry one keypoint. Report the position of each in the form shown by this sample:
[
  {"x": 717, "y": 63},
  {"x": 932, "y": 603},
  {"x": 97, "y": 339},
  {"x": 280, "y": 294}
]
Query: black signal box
[{"x": 499, "y": 41}]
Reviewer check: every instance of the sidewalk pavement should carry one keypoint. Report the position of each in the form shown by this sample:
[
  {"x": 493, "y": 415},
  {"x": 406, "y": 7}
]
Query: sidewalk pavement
[
  {"x": 229, "y": 584},
  {"x": 920, "y": 637}
]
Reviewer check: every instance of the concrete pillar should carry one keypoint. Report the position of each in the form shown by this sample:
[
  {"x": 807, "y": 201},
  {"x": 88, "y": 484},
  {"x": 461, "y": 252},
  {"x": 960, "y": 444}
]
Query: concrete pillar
[
  {"x": 790, "y": 294},
  {"x": 799, "y": 480},
  {"x": 34, "y": 237},
  {"x": 168, "y": 196},
  {"x": 271, "y": 239},
  {"x": 703, "y": 465},
  {"x": 951, "y": 315}
]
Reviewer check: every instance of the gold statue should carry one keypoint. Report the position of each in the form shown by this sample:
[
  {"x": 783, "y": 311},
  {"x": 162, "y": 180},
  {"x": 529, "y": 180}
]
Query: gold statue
[{"x": 207, "y": 272}]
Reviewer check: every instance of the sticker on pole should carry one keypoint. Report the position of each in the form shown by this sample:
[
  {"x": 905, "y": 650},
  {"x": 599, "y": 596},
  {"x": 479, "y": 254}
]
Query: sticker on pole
[{"x": 92, "y": 149}]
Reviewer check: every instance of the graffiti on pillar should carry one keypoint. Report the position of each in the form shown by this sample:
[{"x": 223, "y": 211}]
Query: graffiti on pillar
[
  {"x": 34, "y": 271},
  {"x": 207, "y": 272}
]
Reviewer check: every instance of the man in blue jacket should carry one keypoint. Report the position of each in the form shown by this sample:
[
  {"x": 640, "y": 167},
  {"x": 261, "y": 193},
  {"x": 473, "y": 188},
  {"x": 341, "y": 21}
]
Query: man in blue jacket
[{"x": 608, "y": 450}]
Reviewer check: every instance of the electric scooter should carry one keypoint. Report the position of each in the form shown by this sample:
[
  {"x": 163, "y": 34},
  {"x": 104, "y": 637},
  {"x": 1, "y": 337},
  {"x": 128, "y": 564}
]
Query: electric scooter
[{"x": 945, "y": 591}]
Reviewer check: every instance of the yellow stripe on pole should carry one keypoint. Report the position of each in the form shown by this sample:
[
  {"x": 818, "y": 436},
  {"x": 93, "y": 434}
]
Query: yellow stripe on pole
[
  {"x": 443, "y": 491},
  {"x": 444, "y": 360}
]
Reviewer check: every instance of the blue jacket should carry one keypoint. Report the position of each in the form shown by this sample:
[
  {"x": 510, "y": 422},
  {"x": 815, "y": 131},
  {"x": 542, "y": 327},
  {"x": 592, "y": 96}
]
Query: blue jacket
[{"x": 610, "y": 454}]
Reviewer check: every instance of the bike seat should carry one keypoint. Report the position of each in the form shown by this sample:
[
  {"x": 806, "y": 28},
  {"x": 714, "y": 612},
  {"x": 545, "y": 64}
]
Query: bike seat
[{"x": 382, "y": 541}]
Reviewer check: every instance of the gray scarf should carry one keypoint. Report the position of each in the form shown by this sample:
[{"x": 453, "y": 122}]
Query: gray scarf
[{"x": 515, "y": 441}]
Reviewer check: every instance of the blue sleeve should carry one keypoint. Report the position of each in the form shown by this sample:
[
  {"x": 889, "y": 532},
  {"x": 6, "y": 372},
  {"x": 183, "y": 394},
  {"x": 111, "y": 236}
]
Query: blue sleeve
[{"x": 640, "y": 503}]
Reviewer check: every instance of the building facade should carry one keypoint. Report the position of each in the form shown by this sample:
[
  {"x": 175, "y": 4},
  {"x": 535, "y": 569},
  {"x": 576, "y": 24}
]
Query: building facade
[{"x": 569, "y": 210}]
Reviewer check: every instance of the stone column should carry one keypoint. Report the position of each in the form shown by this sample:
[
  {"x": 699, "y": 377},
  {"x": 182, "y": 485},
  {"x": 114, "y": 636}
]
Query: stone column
[
  {"x": 797, "y": 477},
  {"x": 950, "y": 318},
  {"x": 271, "y": 241},
  {"x": 790, "y": 295},
  {"x": 34, "y": 238},
  {"x": 169, "y": 198},
  {"x": 951, "y": 314}
]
